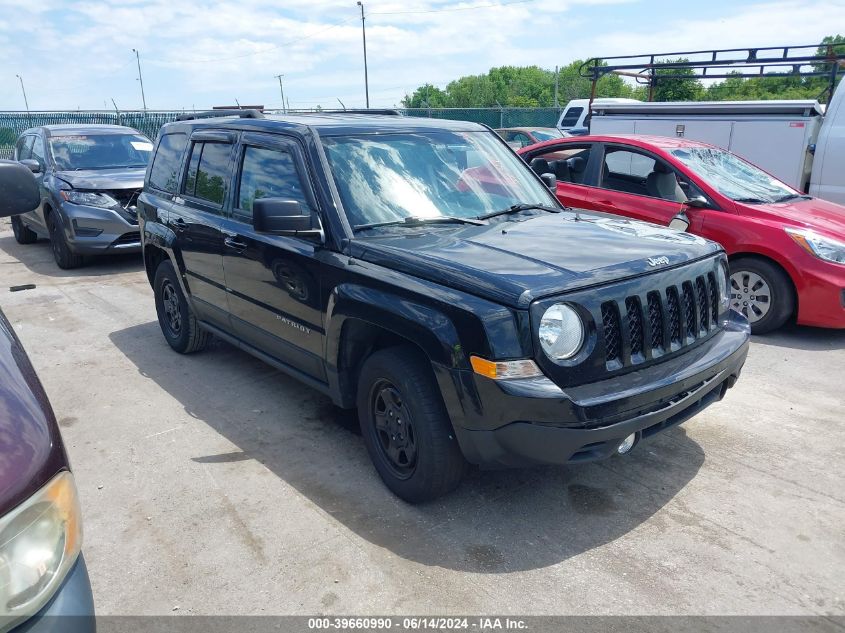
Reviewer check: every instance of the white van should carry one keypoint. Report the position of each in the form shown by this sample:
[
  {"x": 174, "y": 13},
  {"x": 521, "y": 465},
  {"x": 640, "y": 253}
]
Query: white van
[
  {"x": 828, "y": 176},
  {"x": 798, "y": 141},
  {"x": 574, "y": 115}
]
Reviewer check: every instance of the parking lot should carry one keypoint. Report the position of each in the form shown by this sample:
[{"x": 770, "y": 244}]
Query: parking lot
[{"x": 215, "y": 484}]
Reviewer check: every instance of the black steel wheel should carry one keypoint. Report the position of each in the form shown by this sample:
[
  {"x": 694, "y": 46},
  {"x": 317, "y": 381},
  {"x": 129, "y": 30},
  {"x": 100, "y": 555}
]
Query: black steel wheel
[
  {"x": 394, "y": 429},
  {"x": 175, "y": 316},
  {"x": 65, "y": 258},
  {"x": 23, "y": 234},
  {"x": 406, "y": 427}
]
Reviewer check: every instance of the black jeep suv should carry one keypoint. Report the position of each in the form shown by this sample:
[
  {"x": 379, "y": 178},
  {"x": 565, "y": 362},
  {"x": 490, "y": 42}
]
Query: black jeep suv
[{"x": 418, "y": 270}]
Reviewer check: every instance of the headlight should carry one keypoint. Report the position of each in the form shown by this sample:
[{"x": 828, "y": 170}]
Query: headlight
[
  {"x": 39, "y": 543},
  {"x": 824, "y": 248},
  {"x": 89, "y": 198},
  {"x": 561, "y": 332},
  {"x": 723, "y": 284}
]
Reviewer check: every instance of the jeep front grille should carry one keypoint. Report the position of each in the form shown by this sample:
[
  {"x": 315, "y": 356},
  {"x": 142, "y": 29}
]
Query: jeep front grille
[
  {"x": 610, "y": 325},
  {"x": 680, "y": 314}
]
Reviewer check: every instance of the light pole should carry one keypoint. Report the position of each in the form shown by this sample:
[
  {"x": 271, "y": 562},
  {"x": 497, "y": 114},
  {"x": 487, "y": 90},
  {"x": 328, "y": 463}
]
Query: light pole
[
  {"x": 364, "y": 35},
  {"x": 282, "y": 90},
  {"x": 140, "y": 78},
  {"x": 26, "y": 102}
]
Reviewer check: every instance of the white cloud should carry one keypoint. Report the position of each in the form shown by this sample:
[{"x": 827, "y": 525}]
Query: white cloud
[{"x": 80, "y": 54}]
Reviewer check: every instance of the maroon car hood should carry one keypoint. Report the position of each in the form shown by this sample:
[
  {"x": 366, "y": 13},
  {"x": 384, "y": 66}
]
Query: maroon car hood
[
  {"x": 31, "y": 449},
  {"x": 817, "y": 214}
]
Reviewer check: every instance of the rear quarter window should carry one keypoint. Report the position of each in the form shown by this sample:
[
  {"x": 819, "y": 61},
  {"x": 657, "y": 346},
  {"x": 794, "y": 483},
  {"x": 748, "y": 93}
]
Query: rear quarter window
[{"x": 164, "y": 174}]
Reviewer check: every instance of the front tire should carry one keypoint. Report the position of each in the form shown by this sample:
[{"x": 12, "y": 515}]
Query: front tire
[
  {"x": 23, "y": 234},
  {"x": 762, "y": 292},
  {"x": 175, "y": 316},
  {"x": 65, "y": 258},
  {"x": 405, "y": 426}
]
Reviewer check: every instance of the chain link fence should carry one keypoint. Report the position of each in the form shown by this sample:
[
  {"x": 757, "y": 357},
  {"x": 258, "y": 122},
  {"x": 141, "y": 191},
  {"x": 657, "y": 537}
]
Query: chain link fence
[{"x": 12, "y": 124}]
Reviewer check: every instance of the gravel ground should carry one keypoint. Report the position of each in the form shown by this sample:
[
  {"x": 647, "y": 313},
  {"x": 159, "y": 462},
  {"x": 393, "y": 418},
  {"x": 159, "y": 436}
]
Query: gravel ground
[{"x": 214, "y": 484}]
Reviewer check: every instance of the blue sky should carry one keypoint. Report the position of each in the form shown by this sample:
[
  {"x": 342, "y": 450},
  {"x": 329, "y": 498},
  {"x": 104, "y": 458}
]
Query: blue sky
[{"x": 198, "y": 54}]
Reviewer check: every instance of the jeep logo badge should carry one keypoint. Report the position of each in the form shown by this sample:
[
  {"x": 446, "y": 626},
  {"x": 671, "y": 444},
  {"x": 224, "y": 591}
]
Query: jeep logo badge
[{"x": 658, "y": 261}]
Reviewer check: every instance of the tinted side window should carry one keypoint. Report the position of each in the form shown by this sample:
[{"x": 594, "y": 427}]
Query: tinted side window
[
  {"x": 164, "y": 174},
  {"x": 571, "y": 117},
  {"x": 38, "y": 151},
  {"x": 569, "y": 162},
  {"x": 23, "y": 149},
  {"x": 208, "y": 172},
  {"x": 269, "y": 173},
  {"x": 627, "y": 163}
]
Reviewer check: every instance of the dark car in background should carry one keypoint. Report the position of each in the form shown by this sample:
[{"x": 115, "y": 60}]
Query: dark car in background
[
  {"x": 44, "y": 583},
  {"x": 519, "y": 137},
  {"x": 90, "y": 178}
]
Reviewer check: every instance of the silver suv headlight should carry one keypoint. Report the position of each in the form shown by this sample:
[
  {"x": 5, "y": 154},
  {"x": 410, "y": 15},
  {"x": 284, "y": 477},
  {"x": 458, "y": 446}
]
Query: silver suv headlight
[
  {"x": 561, "y": 332},
  {"x": 40, "y": 541},
  {"x": 89, "y": 198}
]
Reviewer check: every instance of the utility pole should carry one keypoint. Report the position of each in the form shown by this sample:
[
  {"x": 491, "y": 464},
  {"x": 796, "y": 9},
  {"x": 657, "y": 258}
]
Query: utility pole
[
  {"x": 364, "y": 35},
  {"x": 557, "y": 76},
  {"x": 282, "y": 90},
  {"x": 25, "y": 101},
  {"x": 140, "y": 78}
]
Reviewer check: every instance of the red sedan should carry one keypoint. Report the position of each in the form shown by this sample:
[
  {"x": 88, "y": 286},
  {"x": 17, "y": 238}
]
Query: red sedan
[{"x": 787, "y": 249}]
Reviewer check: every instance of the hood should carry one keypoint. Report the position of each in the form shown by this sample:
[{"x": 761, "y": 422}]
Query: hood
[
  {"x": 104, "y": 178},
  {"x": 31, "y": 449},
  {"x": 515, "y": 262},
  {"x": 827, "y": 218}
]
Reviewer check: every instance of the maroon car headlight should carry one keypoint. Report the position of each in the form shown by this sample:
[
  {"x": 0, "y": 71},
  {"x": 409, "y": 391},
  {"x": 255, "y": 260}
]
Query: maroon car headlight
[{"x": 40, "y": 541}]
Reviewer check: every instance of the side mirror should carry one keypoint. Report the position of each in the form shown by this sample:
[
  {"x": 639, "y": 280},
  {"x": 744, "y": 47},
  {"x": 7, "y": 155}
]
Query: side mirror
[
  {"x": 18, "y": 189},
  {"x": 550, "y": 180},
  {"x": 680, "y": 222},
  {"x": 699, "y": 202},
  {"x": 279, "y": 216},
  {"x": 32, "y": 165}
]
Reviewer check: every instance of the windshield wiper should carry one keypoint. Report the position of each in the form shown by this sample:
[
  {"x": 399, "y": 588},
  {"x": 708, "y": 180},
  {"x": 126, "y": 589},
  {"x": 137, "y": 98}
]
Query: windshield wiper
[
  {"x": 419, "y": 221},
  {"x": 792, "y": 196},
  {"x": 516, "y": 208},
  {"x": 751, "y": 200}
]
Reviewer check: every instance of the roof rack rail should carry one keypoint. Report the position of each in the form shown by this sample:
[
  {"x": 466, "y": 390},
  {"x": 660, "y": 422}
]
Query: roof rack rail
[
  {"x": 809, "y": 60},
  {"x": 387, "y": 111},
  {"x": 212, "y": 114}
]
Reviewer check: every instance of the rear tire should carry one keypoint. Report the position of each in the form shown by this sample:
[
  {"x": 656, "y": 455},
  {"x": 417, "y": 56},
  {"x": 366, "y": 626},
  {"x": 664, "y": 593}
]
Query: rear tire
[
  {"x": 405, "y": 426},
  {"x": 65, "y": 258},
  {"x": 762, "y": 292},
  {"x": 180, "y": 327},
  {"x": 23, "y": 234}
]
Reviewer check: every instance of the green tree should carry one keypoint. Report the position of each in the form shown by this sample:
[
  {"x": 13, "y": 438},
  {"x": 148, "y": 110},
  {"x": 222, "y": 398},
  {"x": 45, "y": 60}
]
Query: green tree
[
  {"x": 572, "y": 86},
  {"x": 427, "y": 96},
  {"x": 677, "y": 84}
]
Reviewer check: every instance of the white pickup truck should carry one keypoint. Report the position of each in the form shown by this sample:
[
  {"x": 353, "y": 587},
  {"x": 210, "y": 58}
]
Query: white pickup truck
[{"x": 795, "y": 141}]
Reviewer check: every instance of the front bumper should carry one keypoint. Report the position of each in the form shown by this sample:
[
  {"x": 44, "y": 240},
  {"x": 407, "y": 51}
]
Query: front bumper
[
  {"x": 821, "y": 295},
  {"x": 523, "y": 422},
  {"x": 71, "y": 610},
  {"x": 95, "y": 230}
]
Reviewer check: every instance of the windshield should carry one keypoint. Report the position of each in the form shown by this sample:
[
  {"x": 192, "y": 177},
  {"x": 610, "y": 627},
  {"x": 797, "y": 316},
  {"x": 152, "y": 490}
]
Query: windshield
[
  {"x": 100, "y": 151},
  {"x": 546, "y": 135},
  {"x": 733, "y": 177},
  {"x": 389, "y": 177}
]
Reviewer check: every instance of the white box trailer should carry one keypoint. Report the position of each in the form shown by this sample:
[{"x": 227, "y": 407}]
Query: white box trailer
[{"x": 778, "y": 136}]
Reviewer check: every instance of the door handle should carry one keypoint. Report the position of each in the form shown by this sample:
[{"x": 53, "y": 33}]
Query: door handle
[
  {"x": 179, "y": 224},
  {"x": 234, "y": 243}
]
